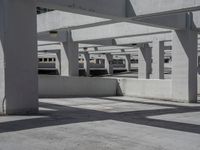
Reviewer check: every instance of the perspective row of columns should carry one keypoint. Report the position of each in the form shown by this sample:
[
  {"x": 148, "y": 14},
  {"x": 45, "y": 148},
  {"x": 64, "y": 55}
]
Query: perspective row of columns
[
  {"x": 18, "y": 59},
  {"x": 151, "y": 62},
  {"x": 70, "y": 62}
]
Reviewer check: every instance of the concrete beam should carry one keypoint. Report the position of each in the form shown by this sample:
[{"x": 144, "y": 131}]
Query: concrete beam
[
  {"x": 143, "y": 39},
  {"x": 134, "y": 11},
  {"x": 121, "y": 8},
  {"x": 161, "y": 7},
  {"x": 56, "y": 46},
  {"x": 59, "y": 36},
  {"x": 170, "y": 21},
  {"x": 104, "y": 42},
  {"x": 114, "y": 31},
  {"x": 99, "y": 8},
  {"x": 56, "y": 20},
  {"x": 119, "y": 51}
]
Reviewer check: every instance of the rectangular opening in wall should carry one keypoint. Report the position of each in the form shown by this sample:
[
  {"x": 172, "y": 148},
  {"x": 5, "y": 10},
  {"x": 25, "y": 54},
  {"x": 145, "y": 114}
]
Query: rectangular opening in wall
[
  {"x": 50, "y": 59},
  {"x": 45, "y": 60}
]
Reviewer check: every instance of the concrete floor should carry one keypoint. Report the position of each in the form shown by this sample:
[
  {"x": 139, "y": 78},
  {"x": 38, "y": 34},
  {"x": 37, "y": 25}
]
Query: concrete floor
[{"x": 111, "y": 123}]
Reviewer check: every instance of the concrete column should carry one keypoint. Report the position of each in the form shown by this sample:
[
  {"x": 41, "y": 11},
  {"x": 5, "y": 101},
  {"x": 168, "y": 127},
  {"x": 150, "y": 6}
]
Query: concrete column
[
  {"x": 18, "y": 57},
  {"x": 184, "y": 66},
  {"x": 158, "y": 59},
  {"x": 128, "y": 62},
  {"x": 69, "y": 57},
  {"x": 109, "y": 63},
  {"x": 86, "y": 57},
  {"x": 144, "y": 62}
]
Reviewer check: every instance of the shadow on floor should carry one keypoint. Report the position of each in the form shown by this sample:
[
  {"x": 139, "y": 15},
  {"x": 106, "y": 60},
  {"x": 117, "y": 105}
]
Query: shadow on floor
[{"x": 62, "y": 115}]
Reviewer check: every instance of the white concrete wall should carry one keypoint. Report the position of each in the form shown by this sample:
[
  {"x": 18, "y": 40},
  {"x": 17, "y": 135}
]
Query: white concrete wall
[
  {"x": 156, "y": 89},
  {"x": 61, "y": 86}
]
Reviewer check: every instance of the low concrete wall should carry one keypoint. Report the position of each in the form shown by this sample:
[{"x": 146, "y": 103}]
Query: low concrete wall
[
  {"x": 156, "y": 89},
  {"x": 59, "y": 86},
  {"x": 198, "y": 84}
]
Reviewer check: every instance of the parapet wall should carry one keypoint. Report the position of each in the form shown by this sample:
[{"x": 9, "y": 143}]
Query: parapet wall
[
  {"x": 61, "y": 87},
  {"x": 145, "y": 88}
]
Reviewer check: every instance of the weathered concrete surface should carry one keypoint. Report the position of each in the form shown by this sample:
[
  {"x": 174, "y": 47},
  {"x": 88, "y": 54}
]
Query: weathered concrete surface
[{"x": 114, "y": 123}]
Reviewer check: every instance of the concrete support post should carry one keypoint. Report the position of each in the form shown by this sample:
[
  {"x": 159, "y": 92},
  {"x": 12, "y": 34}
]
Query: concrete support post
[
  {"x": 144, "y": 62},
  {"x": 184, "y": 66},
  {"x": 109, "y": 63},
  {"x": 128, "y": 62},
  {"x": 158, "y": 59},
  {"x": 69, "y": 57},
  {"x": 86, "y": 57},
  {"x": 18, "y": 57}
]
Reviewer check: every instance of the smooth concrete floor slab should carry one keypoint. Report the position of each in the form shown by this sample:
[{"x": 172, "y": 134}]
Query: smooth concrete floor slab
[{"x": 109, "y": 123}]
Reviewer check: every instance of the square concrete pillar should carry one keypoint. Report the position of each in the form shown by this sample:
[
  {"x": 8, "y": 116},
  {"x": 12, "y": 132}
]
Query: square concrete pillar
[
  {"x": 18, "y": 57},
  {"x": 86, "y": 57},
  {"x": 128, "y": 62},
  {"x": 69, "y": 57},
  {"x": 109, "y": 63},
  {"x": 144, "y": 62},
  {"x": 157, "y": 59},
  {"x": 184, "y": 66}
]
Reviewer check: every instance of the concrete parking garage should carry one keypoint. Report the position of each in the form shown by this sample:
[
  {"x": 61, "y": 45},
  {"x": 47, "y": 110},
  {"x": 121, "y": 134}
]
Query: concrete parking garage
[{"x": 152, "y": 105}]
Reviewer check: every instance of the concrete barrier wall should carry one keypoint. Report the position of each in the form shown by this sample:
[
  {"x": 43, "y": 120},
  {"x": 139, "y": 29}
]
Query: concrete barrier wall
[
  {"x": 198, "y": 85},
  {"x": 59, "y": 87},
  {"x": 156, "y": 89}
]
